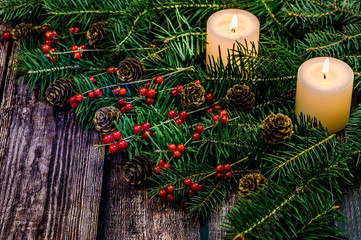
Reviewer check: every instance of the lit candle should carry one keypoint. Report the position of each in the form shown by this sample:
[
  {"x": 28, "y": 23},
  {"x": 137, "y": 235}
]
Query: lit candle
[
  {"x": 226, "y": 27},
  {"x": 324, "y": 91}
]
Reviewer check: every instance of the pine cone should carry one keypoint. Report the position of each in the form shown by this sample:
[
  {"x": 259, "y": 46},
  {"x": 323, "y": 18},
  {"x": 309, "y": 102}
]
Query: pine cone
[
  {"x": 96, "y": 33},
  {"x": 104, "y": 119},
  {"x": 192, "y": 95},
  {"x": 138, "y": 169},
  {"x": 277, "y": 128},
  {"x": 130, "y": 69},
  {"x": 59, "y": 92},
  {"x": 250, "y": 182},
  {"x": 240, "y": 97},
  {"x": 24, "y": 31}
]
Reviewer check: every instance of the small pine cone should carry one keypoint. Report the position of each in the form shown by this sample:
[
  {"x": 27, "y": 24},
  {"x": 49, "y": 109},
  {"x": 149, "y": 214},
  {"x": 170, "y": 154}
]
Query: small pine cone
[
  {"x": 130, "y": 69},
  {"x": 277, "y": 128},
  {"x": 138, "y": 169},
  {"x": 250, "y": 182},
  {"x": 192, "y": 95},
  {"x": 104, "y": 119},
  {"x": 96, "y": 33},
  {"x": 240, "y": 97},
  {"x": 24, "y": 31},
  {"x": 59, "y": 92}
]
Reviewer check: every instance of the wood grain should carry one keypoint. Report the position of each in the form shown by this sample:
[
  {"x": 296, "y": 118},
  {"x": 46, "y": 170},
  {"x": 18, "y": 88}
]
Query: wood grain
[
  {"x": 128, "y": 213},
  {"x": 50, "y": 182}
]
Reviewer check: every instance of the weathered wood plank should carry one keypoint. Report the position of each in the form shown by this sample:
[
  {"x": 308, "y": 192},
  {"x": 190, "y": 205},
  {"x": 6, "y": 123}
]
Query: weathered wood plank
[
  {"x": 128, "y": 213},
  {"x": 50, "y": 183}
]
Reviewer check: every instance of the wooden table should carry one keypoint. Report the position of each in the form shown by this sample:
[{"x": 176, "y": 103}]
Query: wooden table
[{"x": 55, "y": 185}]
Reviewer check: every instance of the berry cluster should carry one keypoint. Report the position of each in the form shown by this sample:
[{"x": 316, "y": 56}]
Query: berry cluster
[
  {"x": 222, "y": 115},
  {"x": 112, "y": 70},
  {"x": 115, "y": 137},
  {"x": 73, "y": 30},
  {"x": 224, "y": 171},
  {"x": 50, "y": 39},
  {"x": 166, "y": 194},
  {"x": 143, "y": 129},
  {"x": 161, "y": 165},
  {"x": 95, "y": 93},
  {"x": 197, "y": 134},
  {"x": 77, "y": 55},
  {"x": 193, "y": 186},
  {"x": 150, "y": 93},
  {"x": 175, "y": 92},
  {"x": 75, "y": 100},
  {"x": 177, "y": 150},
  {"x": 181, "y": 116}
]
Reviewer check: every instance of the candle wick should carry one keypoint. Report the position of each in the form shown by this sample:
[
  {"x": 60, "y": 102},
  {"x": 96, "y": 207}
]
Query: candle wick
[
  {"x": 324, "y": 76},
  {"x": 233, "y": 30}
]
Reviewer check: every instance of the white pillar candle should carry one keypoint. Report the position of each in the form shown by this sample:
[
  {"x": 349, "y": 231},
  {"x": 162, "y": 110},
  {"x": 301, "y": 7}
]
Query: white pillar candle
[
  {"x": 325, "y": 91},
  {"x": 221, "y": 32}
]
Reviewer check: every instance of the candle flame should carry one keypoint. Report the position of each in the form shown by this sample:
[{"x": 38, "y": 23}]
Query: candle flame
[
  {"x": 326, "y": 67},
  {"x": 234, "y": 23}
]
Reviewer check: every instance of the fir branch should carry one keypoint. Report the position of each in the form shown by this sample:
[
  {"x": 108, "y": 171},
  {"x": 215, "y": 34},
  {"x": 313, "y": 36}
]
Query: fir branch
[{"x": 344, "y": 39}]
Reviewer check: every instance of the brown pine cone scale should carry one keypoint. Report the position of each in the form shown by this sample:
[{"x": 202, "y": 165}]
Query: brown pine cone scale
[
  {"x": 138, "y": 169},
  {"x": 104, "y": 119},
  {"x": 250, "y": 182},
  {"x": 192, "y": 95},
  {"x": 96, "y": 33},
  {"x": 59, "y": 92},
  {"x": 240, "y": 97},
  {"x": 24, "y": 31},
  {"x": 277, "y": 128},
  {"x": 130, "y": 70}
]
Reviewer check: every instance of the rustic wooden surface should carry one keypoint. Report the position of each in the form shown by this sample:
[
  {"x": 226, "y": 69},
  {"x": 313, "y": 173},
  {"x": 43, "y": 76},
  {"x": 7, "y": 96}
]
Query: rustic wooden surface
[{"x": 55, "y": 185}]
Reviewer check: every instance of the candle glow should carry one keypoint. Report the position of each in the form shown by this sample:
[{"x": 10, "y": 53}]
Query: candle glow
[
  {"x": 326, "y": 67},
  {"x": 234, "y": 23}
]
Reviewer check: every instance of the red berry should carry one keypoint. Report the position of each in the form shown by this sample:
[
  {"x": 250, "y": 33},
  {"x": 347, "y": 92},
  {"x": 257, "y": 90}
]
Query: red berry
[
  {"x": 111, "y": 70},
  {"x": 76, "y": 30},
  {"x": 55, "y": 41},
  {"x": 187, "y": 182},
  {"x": 71, "y": 30},
  {"x": 121, "y": 101},
  {"x": 128, "y": 106},
  {"x": 122, "y": 91},
  {"x": 223, "y": 113},
  {"x": 209, "y": 97},
  {"x": 156, "y": 169},
  {"x": 197, "y": 81},
  {"x": 44, "y": 28},
  {"x": 116, "y": 135},
  {"x": 122, "y": 144},
  {"x": 190, "y": 192},
  {"x": 218, "y": 106},
  {"x": 196, "y": 136},
  {"x": 219, "y": 168},
  {"x": 113, "y": 148},
  {"x": 116, "y": 91},
  {"x": 172, "y": 147},
  {"x": 91, "y": 94},
  {"x": 162, "y": 193},
  {"x": 92, "y": 79},
  {"x": 199, "y": 128},
  {"x": 219, "y": 175},
  {"x": 45, "y": 48},
  {"x": 49, "y": 35},
  {"x": 149, "y": 100},
  {"x": 161, "y": 162},
  {"x": 227, "y": 167},
  {"x": 137, "y": 128},
  {"x": 224, "y": 120},
  {"x": 158, "y": 79},
  {"x": 108, "y": 139},
  {"x": 209, "y": 110},
  {"x": 147, "y": 85},
  {"x": 72, "y": 99},
  {"x": 113, "y": 57},
  {"x": 145, "y": 126},
  {"x": 98, "y": 92},
  {"x": 122, "y": 109},
  {"x": 200, "y": 188},
  {"x": 177, "y": 154},
  {"x": 172, "y": 114},
  {"x": 179, "y": 121},
  {"x": 53, "y": 50},
  {"x": 174, "y": 93},
  {"x": 48, "y": 42},
  {"x": 146, "y": 135},
  {"x": 77, "y": 55},
  {"x": 79, "y": 97},
  {"x": 215, "y": 118},
  {"x": 74, "y": 104},
  {"x": 143, "y": 91},
  {"x": 181, "y": 147},
  {"x": 7, "y": 35},
  {"x": 179, "y": 88},
  {"x": 74, "y": 48},
  {"x": 54, "y": 33},
  {"x": 166, "y": 166},
  {"x": 82, "y": 46},
  {"x": 169, "y": 189},
  {"x": 170, "y": 197},
  {"x": 163, "y": 199},
  {"x": 183, "y": 115},
  {"x": 228, "y": 175},
  {"x": 151, "y": 93},
  {"x": 195, "y": 187}
]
